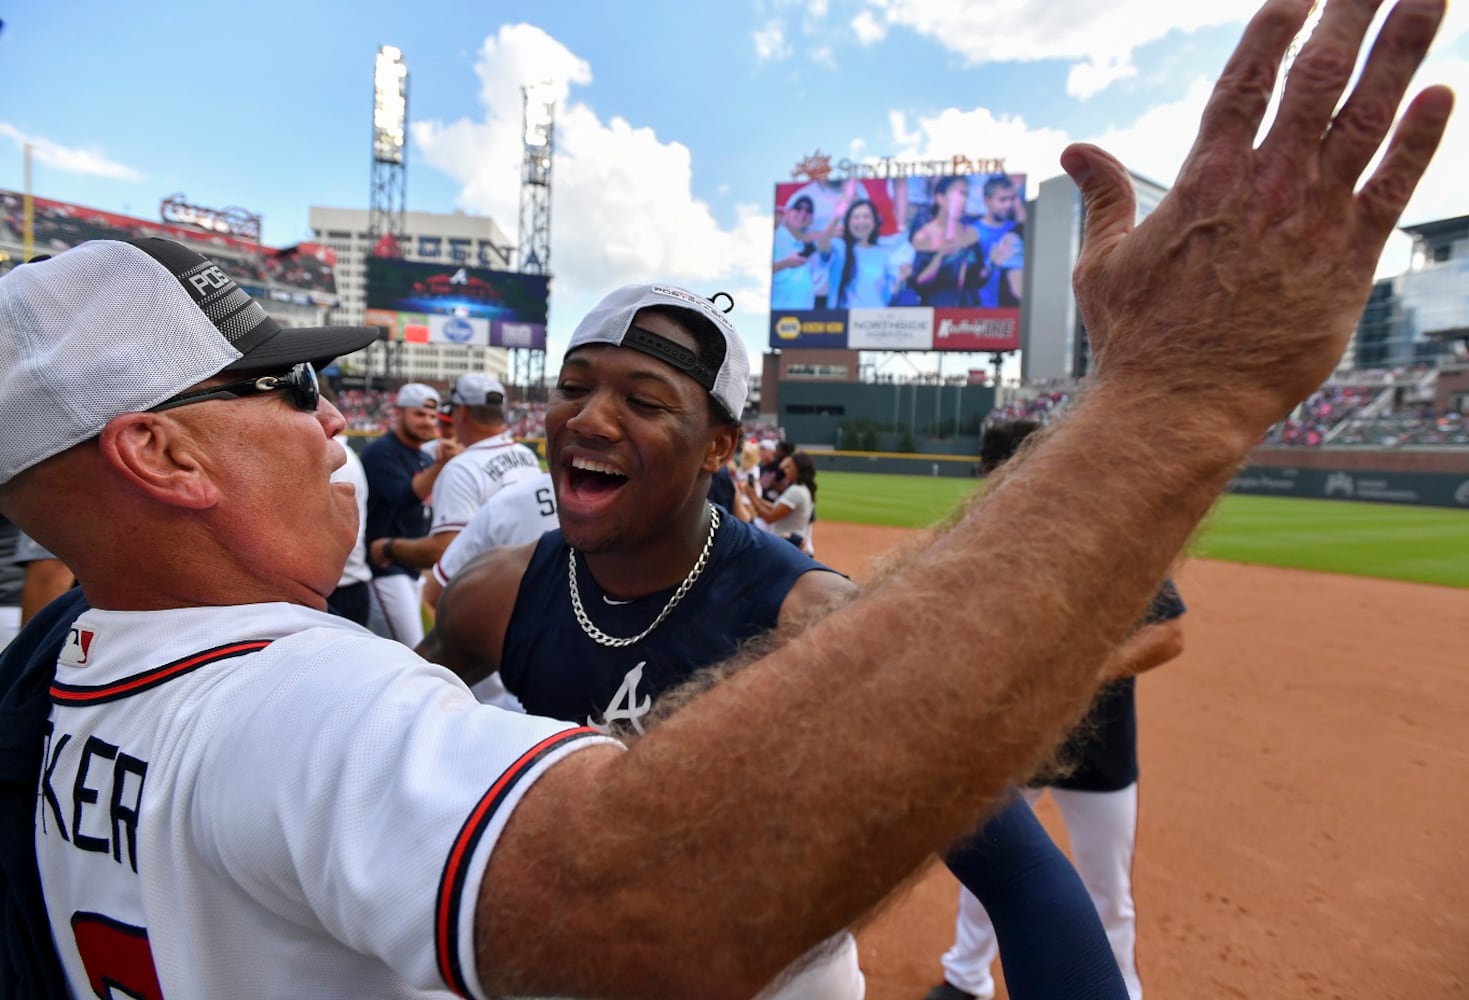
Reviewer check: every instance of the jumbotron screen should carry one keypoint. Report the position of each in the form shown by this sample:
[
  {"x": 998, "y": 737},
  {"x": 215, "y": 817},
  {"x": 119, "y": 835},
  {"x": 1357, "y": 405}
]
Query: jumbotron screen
[
  {"x": 917, "y": 263},
  {"x": 426, "y": 303}
]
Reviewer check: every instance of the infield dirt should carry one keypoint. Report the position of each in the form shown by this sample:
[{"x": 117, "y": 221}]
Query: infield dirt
[{"x": 1304, "y": 794}]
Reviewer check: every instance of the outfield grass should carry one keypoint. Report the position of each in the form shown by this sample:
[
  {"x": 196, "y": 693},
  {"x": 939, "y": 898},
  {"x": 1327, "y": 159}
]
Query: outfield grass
[
  {"x": 893, "y": 501},
  {"x": 1386, "y": 541}
]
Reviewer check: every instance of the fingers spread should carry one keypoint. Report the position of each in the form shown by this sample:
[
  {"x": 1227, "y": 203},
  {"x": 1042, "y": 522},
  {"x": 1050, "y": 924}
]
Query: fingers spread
[
  {"x": 1387, "y": 191},
  {"x": 1363, "y": 121},
  {"x": 1242, "y": 94},
  {"x": 1315, "y": 81}
]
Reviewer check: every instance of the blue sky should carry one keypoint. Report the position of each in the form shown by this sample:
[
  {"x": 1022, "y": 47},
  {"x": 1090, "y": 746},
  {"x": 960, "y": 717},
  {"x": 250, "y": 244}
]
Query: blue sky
[{"x": 674, "y": 121}]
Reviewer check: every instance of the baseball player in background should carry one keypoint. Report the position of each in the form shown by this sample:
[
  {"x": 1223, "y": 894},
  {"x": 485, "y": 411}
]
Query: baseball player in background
[
  {"x": 489, "y": 459},
  {"x": 238, "y": 794},
  {"x": 518, "y": 514},
  {"x": 1094, "y": 786},
  {"x": 400, "y": 479}
]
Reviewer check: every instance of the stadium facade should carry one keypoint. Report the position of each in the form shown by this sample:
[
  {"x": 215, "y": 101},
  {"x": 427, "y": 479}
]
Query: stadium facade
[
  {"x": 295, "y": 284},
  {"x": 476, "y": 241},
  {"x": 1422, "y": 315},
  {"x": 1052, "y": 336}
]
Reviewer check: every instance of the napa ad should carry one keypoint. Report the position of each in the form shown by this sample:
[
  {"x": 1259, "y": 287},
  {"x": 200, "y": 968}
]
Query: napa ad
[{"x": 805, "y": 329}]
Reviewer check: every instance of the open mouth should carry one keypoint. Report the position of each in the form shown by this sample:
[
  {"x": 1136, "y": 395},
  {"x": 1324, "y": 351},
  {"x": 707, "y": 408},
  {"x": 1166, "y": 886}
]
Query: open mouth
[{"x": 589, "y": 478}]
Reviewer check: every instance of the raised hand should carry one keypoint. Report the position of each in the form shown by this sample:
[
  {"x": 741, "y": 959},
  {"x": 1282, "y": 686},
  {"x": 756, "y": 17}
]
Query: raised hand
[{"x": 1243, "y": 287}]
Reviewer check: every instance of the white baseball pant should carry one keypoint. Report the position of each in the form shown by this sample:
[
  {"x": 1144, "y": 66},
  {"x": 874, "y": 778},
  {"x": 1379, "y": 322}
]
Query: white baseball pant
[
  {"x": 395, "y": 609},
  {"x": 834, "y": 975},
  {"x": 1102, "y": 828}
]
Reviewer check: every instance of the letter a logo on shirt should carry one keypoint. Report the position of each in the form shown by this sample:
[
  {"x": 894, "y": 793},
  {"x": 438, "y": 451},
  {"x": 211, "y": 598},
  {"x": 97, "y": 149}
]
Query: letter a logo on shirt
[{"x": 624, "y": 706}]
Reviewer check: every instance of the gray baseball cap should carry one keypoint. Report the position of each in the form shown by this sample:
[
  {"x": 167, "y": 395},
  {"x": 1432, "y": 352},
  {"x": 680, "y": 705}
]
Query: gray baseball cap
[
  {"x": 477, "y": 389},
  {"x": 610, "y": 322},
  {"x": 112, "y": 327}
]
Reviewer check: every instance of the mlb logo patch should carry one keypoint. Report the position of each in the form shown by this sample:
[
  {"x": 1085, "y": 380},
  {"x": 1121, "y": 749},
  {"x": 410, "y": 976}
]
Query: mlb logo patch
[{"x": 78, "y": 646}]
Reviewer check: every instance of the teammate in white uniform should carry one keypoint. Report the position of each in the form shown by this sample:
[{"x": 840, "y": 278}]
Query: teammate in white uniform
[
  {"x": 352, "y": 598},
  {"x": 518, "y": 514},
  {"x": 491, "y": 459},
  {"x": 770, "y": 810}
]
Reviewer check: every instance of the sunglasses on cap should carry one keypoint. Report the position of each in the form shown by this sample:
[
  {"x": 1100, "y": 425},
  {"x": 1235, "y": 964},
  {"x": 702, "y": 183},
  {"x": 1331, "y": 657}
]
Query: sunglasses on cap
[{"x": 300, "y": 382}]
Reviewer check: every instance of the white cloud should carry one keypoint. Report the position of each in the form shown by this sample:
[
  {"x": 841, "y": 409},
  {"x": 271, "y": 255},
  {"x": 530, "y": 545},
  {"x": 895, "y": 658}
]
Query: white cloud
[
  {"x": 898, "y": 123},
  {"x": 823, "y": 55},
  {"x": 623, "y": 208},
  {"x": 978, "y": 133},
  {"x": 1100, "y": 38},
  {"x": 1441, "y": 192},
  {"x": 1155, "y": 144},
  {"x": 1092, "y": 76},
  {"x": 868, "y": 29},
  {"x": 770, "y": 42},
  {"x": 71, "y": 160}
]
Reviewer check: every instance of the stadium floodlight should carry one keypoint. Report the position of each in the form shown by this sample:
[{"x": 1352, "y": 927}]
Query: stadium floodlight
[
  {"x": 389, "y": 105},
  {"x": 540, "y": 105}
]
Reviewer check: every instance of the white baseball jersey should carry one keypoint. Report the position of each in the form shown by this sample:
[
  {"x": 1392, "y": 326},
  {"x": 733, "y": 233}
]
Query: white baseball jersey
[
  {"x": 517, "y": 514},
  {"x": 269, "y": 801},
  {"x": 356, "y": 570},
  {"x": 474, "y": 475}
]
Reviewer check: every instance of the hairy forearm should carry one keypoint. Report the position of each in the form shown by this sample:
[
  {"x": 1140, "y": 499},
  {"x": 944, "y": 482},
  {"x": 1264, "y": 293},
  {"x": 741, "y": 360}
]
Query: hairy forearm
[{"x": 893, "y": 722}]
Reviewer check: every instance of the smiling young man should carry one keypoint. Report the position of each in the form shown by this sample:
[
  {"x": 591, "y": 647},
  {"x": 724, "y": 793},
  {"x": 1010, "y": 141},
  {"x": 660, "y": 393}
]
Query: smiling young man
[{"x": 646, "y": 582}]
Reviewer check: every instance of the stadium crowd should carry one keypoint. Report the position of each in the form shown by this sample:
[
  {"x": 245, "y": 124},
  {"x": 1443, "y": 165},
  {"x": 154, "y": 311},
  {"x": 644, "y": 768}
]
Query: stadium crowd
[
  {"x": 58, "y": 225},
  {"x": 1355, "y": 408}
]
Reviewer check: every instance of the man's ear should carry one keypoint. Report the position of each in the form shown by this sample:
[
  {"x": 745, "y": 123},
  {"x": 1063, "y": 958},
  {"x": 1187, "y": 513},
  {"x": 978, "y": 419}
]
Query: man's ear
[
  {"x": 156, "y": 455},
  {"x": 722, "y": 442}
]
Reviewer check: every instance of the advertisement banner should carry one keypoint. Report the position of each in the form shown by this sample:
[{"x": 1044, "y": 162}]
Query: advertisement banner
[
  {"x": 455, "y": 304},
  {"x": 909, "y": 329},
  {"x": 466, "y": 331},
  {"x": 504, "y": 333},
  {"x": 1427, "y": 489},
  {"x": 948, "y": 250},
  {"x": 973, "y": 330},
  {"x": 809, "y": 328}
]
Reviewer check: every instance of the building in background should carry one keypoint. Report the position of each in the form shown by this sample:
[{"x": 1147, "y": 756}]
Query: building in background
[
  {"x": 1420, "y": 317},
  {"x": 475, "y": 241},
  {"x": 1052, "y": 336}
]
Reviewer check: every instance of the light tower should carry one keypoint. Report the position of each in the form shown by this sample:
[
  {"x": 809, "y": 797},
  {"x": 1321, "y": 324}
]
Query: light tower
[
  {"x": 538, "y": 103},
  {"x": 389, "y": 172}
]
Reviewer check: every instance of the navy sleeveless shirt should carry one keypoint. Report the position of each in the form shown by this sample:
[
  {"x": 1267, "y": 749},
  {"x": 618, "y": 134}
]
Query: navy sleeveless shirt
[
  {"x": 1102, "y": 750},
  {"x": 557, "y": 670}
]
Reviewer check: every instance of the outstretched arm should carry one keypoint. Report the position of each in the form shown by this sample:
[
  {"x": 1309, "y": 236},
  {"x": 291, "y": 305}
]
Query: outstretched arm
[{"x": 782, "y": 804}]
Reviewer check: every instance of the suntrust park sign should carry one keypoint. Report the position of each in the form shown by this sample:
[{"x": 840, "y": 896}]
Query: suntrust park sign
[{"x": 818, "y": 167}]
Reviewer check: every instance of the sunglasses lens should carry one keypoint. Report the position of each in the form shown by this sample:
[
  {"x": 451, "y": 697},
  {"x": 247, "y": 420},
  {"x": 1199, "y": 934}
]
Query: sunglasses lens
[{"x": 305, "y": 387}]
